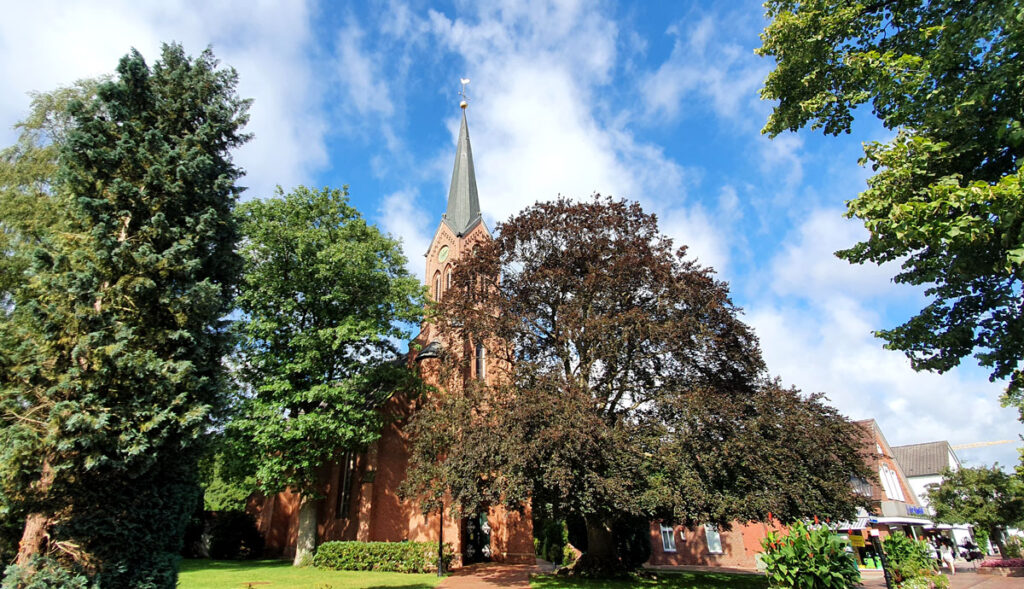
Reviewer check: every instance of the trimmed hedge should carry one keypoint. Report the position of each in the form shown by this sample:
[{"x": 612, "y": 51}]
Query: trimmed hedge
[{"x": 395, "y": 557}]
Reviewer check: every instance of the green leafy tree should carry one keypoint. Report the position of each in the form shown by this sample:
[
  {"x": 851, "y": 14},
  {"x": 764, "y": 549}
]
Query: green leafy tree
[
  {"x": 223, "y": 488},
  {"x": 27, "y": 171},
  {"x": 116, "y": 332},
  {"x": 946, "y": 198},
  {"x": 985, "y": 497},
  {"x": 325, "y": 296},
  {"x": 621, "y": 385},
  {"x": 28, "y": 211}
]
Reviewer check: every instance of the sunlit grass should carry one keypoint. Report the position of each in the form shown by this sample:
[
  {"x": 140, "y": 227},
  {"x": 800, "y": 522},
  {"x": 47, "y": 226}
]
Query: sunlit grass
[{"x": 276, "y": 574}]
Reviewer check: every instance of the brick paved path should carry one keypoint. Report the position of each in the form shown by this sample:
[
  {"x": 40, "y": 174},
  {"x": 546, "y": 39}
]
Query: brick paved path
[
  {"x": 963, "y": 579},
  {"x": 517, "y": 576},
  {"x": 489, "y": 575}
]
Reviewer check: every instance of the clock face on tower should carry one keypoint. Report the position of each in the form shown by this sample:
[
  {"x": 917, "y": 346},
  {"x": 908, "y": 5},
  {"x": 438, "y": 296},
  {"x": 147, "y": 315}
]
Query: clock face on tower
[{"x": 442, "y": 255}]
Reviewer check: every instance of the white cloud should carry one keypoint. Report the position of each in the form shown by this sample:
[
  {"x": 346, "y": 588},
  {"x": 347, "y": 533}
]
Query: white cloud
[
  {"x": 782, "y": 158},
  {"x": 711, "y": 235},
  {"x": 47, "y": 44},
  {"x": 815, "y": 316},
  {"x": 830, "y": 349},
  {"x": 401, "y": 217},
  {"x": 723, "y": 77},
  {"x": 364, "y": 78},
  {"x": 807, "y": 267},
  {"x": 537, "y": 124}
]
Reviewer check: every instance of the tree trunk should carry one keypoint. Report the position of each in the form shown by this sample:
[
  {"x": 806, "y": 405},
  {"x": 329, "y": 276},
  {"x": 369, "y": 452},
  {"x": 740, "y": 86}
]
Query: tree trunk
[
  {"x": 34, "y": 538},
  {"x": 995, "y": 536},
  {"x": 36, "y": 534},
  {"x": 305, "y": 540},
  {"x": 600, "y": 542},
  {"x": 600, "y": 559}
]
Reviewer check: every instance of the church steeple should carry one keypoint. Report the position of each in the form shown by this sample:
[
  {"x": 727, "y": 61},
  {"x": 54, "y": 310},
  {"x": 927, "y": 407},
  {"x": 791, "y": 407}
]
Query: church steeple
[{"x": 463, "y": 202}]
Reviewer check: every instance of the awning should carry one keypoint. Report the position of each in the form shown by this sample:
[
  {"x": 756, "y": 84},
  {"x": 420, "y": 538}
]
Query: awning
[
  {"x": 901, "y": 520},
  {"x": 932, "y": 526},
  {"x": 859, "y": 524}
]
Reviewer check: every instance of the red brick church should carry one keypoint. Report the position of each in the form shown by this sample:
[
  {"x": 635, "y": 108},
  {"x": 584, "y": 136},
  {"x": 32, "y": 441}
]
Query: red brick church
[{"x": 361, "y": 501}]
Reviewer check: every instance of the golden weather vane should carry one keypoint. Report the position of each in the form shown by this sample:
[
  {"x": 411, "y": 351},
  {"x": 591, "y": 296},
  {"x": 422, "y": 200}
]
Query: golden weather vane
[{"x": 462, "y": 93}]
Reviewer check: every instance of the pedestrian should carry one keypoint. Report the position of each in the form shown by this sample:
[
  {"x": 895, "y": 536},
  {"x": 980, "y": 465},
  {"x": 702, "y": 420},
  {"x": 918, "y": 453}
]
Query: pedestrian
[{"x": 947, "y": 555}]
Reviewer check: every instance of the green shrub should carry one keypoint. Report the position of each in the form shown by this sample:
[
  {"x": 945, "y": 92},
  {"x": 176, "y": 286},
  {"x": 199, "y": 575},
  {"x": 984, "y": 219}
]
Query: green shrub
[
  {"x": 551, "y": 540},
  {"x": 908, "y": 558},
  {"x": 396, "y": 557},
  {"x": 981, "y": 539},
  {"x": 45, "y": 573},
  {"x": 1013, "y": 547},
  {"x": 933, "y": 580},
  {"x": 808, "y": 559}
]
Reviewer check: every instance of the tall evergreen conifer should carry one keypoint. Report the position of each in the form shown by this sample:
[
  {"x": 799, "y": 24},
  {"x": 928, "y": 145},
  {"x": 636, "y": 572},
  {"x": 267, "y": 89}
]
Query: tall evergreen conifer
[{"x": 119, "y": 327}]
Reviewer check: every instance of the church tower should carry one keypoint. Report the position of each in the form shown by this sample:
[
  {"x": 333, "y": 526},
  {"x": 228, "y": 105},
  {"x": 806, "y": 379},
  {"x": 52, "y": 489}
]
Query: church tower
[
  {"x": 461, "y": 225},
  {"x": 361, "y": 501},
  {"x": 497, "y": 534}
]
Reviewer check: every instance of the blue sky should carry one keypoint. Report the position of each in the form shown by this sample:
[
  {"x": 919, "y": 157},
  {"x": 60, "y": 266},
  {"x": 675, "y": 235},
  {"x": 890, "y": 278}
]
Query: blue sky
[{"x": 652, "y": 101}]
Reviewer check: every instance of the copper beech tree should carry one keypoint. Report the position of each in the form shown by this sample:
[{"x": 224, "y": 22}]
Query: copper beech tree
[{"x": 621, "y": 384}]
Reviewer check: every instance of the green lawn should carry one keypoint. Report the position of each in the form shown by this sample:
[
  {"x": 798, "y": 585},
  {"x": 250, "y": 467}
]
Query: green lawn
[
  {"x": 227, "y": 574},
  {"x": 684, "y": 580}
]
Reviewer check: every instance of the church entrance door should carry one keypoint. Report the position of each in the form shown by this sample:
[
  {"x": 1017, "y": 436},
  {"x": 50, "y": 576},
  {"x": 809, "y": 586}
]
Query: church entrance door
[{"x": 476, "y": 539}]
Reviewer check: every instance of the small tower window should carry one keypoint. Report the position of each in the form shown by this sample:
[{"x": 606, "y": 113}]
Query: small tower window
[
  {"x": 448, "y": 278},
  {"x": 481, "y": 364},
  {"x": 437, "y": 287}
]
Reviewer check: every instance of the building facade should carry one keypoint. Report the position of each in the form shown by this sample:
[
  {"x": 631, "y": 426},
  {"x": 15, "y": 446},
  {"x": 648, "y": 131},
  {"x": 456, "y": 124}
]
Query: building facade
[
  {"x": 361, "y": 500},
  {"x": 923, "y": 464},
  {"x": 894, "y": 507}
]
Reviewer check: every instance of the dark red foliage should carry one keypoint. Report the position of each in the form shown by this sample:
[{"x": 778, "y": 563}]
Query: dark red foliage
[{"x": 623, "y": 383}]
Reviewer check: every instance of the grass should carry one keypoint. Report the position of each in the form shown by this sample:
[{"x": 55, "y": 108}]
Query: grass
[
  {"x": 225, "y": 574},
  {"x": 656, "y": 579}
]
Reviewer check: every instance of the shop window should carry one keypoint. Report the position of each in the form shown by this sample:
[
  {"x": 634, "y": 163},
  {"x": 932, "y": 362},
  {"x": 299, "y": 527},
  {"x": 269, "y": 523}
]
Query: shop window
[
  {"x": 345, "y": 475},
  {"x": 668, "y": 538},
  {"x": 714, "y": 538}
]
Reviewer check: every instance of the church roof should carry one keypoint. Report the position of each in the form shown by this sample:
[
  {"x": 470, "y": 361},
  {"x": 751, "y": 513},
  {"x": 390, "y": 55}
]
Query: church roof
[
  {"x": 463, "y": 202},
  {"x": 432, "y": 350}
]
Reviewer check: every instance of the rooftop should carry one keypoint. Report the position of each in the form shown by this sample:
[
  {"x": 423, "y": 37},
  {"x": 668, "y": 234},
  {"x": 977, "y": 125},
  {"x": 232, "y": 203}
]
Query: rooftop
[{"x": 924, "y": 459}]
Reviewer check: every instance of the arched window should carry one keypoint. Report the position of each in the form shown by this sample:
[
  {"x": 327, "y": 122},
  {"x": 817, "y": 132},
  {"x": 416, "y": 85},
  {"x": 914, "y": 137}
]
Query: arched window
[
  {"x": 481, "y": 362},
  {"x": 437, "y": 286},
  {"x": 448, "y": 278}
]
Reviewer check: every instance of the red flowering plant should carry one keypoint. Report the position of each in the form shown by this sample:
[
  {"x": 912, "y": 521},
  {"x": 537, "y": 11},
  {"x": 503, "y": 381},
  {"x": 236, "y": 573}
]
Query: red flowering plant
[
  {"x": 809, "y": 557},
  {"x": 1003, "y": 562}
]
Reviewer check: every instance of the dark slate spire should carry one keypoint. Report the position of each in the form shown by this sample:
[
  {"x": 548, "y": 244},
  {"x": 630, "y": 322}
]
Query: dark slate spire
[{"x": 463, "y": 203}]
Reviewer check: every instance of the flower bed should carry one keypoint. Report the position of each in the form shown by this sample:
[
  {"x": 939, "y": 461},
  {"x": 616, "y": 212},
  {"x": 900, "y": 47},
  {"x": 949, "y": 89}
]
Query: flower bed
[{"x": 1006, "y": 567}]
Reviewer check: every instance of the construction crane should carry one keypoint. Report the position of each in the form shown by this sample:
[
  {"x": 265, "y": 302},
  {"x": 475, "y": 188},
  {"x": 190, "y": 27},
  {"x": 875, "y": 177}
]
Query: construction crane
[{"x": 981, "y": 444}]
